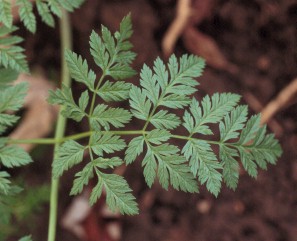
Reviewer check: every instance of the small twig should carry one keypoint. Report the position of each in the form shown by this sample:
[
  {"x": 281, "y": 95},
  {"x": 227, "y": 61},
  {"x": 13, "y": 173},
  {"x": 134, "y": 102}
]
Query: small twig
[
  {"x": 279, "y": 102},
  {"x": 176, "y": 28}
]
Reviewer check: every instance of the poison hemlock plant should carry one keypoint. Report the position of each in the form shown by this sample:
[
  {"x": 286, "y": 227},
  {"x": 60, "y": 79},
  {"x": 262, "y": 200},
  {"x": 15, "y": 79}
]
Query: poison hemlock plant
[
  {"x": 163, "y": 89},
  {"x": 166, "y": 86}
]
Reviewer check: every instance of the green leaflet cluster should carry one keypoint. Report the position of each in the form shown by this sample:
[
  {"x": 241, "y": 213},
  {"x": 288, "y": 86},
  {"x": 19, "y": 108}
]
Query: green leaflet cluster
[
  {"x": 112, "y": 54},
  {"x": 45, "y": 8},
  {"x": 11, "y": 55},
  {"x": 166, "y": 86},
  {"x": 11, "y": 99}
]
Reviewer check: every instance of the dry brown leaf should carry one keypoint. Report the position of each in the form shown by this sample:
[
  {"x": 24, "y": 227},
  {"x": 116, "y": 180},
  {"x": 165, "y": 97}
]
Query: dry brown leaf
[{"x": 204, "y": 46}]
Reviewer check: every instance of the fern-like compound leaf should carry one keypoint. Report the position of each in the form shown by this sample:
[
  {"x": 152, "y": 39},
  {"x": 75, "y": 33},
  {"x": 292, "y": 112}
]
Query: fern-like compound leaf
[
  {"x": 165, "y": 120},
  {"x": 112, "y": 53},
  {"x": 71, "y": 110},
  {"x": 157, "y": 137},
  {"x": 11, "y": 55},
  {"x": 204, "y": 164},
  {"x": 79, "y": 69},
  {"x": 106, "y": 142},
  {"x": 135, "y": 148},
  {"x": 12, "y": 97},
  {"x": 26, "y": 14},
  {"x": 118, "y": 193},
  {"x": 105, "y": 117},
  {"x": 140, "y": 105},
  {"x": 169, "y": 166},
  {"x": 233, "y": 123},
  {"x": 114, "y": 91},
  {"x": 14, "y": 156},
  {"x": 230, "y": 166},
  {"x": 69, "y": 154},
  {"x": 45, "y": 13},
  {"x": 5, "y": 13},
  {"x": 211, "y": 111},
  {"x": 5, "y": 183},
  {"x": 82, "y": 178}
]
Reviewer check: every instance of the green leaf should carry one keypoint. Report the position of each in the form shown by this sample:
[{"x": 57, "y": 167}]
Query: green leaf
[
  {"x": 14, "y": 156},
  {"x": 114, "y": 91},
  {"x": 81, "y": 179},
  {"x": 5, "y": 13},
  {"x": 69, "y": 154},
  {"x": 12, "y": 98},
  {"x": 204, "y": 164},
  {"x": 112, "y": 53},
  {"x": 263, "y": 148},
  {"x": 118, "y": 193},
  {"x": 233, "y": 123},
  {"x": 171, "y": 167},
  {"x": 120, "y": 71},
  {"x": 55, "y": 7},
  {"x": 70, "y": 5},
  {"x": 12, "y": 56},
  {"x": 7, "y": 120},
  {"x": 106, "y": 163},
  {"x": 174, "y": 170},
  {"x": 45, "y": 13},
  {"x": 211, "y": 111},
  {"x": 71, "y": 109},
  {"x": 164, "y": 120},
  {"x": 230, "y": 166},
  {"x": 98, "y": 51},
  {"x": 157, "y": 137},
  {"x": 5, "y": 183},
  {"x": 7, "y": 76},
  {"x": 139, "y": 104},
  {"x": 104, "y": 117},
  {"x": 135, "y": 148},
  {"x": 106, "y": 142},
  {"x": 250, "y": 130},
  {"x": 26, "y": 14},
  {"x": 79, "y": 69}
]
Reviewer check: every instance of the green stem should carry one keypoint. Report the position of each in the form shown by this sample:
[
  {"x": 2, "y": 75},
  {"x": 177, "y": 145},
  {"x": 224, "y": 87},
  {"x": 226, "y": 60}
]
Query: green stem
[{"x": 65, "y": 33}]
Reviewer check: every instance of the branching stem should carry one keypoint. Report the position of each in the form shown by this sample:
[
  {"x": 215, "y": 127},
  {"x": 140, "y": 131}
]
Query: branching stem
[{"x": 65, "y": 33}]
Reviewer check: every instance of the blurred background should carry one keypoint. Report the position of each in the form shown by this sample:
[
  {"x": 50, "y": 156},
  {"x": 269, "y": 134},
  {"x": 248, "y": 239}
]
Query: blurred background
[{"x": 250, "y": 48}]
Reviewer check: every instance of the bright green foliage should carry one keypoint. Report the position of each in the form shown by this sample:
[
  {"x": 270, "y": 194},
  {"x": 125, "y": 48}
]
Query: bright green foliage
[
  {"x": 14, "y": 156},
  {"x": 163, "y": 87},
  {"x": 79, "y": 69},
  {"x": 11, "y": 99},
  {"x": 103, "y": 116},
  {"x": 5, "y": 15},
  {"x": 69, "y": 154},
  {"x": 71, "y": 109},
  {"x": 211, "y": 111},
  {"x": 26, "y": 14},
  {"x": 112, "y": 52},
  {"x": 11, "y": 55},
  {"x": 45, "y": 8},
  {"x": 114, "y": 91}
]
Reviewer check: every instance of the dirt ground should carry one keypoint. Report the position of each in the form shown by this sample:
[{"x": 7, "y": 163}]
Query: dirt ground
[{"x": 258, "y": 38}]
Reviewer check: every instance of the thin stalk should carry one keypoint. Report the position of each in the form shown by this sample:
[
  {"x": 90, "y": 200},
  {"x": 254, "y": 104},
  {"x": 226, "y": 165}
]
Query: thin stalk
[{"x": 65, "y": 33}]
